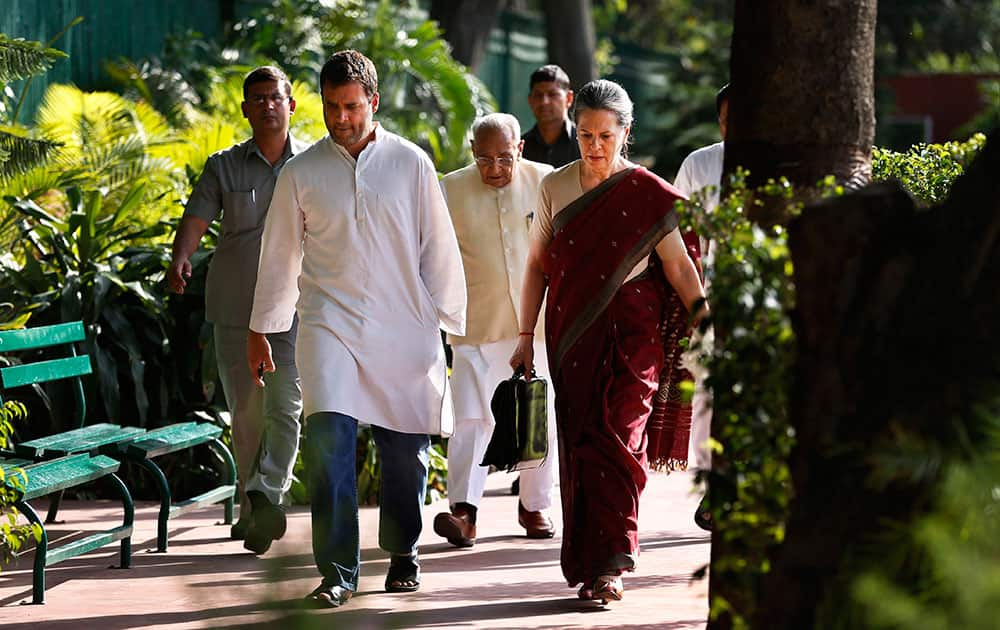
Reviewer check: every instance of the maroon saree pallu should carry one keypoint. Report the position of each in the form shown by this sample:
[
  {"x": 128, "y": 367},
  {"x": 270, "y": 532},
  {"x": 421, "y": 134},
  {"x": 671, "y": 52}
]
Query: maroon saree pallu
[{"x": 614, "y": 362}]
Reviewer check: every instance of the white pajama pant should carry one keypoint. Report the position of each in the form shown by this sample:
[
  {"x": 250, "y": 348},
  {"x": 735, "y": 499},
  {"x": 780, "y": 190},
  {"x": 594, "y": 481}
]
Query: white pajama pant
[
  {"x": 699, "y": 454},
  {"x": 476, "y": 371}
]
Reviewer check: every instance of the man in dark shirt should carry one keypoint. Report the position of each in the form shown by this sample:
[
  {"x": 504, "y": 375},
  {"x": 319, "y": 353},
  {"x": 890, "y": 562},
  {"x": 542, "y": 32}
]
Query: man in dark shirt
[{"x": 553, "y": 138}]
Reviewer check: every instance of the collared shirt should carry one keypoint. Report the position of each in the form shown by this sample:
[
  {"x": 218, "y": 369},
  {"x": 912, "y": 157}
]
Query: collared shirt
[
  {"x": 702, "y": 168},
  {"x": 492, "y": 228},
  {"x": 563, "y": 151},
  {"x": 364, "y": 251},
  {"x": 238, "y": 183}
]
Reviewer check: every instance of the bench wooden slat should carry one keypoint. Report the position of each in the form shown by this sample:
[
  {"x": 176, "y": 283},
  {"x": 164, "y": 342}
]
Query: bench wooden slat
[
  {"x": 205, "y": 499},
  {"x": 171, "y": 438},
  {"x": 85, "y": 439},
  {"x": 44, "y": 371},
  {"x": 66, "y": 472},
  {"x": 40, "y": 337},
  {"x": 88, "y": 543}
]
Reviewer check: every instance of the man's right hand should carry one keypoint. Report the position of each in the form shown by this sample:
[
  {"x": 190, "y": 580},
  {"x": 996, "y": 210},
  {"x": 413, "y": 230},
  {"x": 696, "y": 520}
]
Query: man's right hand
[
  {"x": 177, "y": 275},
  {"x": 258, "y": 357}
]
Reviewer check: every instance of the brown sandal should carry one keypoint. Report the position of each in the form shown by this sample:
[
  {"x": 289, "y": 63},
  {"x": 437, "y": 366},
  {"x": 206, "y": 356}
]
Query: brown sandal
[
  {"x": 586, "y": 592},
  {"x": 608, "y": 588}
]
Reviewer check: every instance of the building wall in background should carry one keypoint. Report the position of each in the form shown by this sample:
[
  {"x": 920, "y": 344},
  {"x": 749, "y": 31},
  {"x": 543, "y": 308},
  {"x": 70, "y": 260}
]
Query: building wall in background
[{"x": 111, "y": 29}]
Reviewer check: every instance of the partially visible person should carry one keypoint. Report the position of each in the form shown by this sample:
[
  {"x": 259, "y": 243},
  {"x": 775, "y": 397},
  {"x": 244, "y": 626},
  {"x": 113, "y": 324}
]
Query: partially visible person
[
  {"x": 622, "y": 287},
  {"x": 700, "y": 170},
  {"x": 237, "y": 183},
  {"x": 552, "y": 140},
  {"x": 491, "y": 202},
  {"x": 358, "y": 243}
]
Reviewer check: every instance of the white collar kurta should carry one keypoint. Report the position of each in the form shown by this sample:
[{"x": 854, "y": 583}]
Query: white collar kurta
[
  {"x": 702, "y": 168},
  {"x": 366, "y": 253},
  {"x": 492, "y": 229}
]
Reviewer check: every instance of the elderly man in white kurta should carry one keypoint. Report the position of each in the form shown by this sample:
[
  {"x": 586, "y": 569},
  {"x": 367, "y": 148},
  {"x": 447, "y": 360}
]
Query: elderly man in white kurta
[
  {"x": 700, "y": 170},
  {"x": 491, "y": 204},
  {"x": 358, "y": 241}
]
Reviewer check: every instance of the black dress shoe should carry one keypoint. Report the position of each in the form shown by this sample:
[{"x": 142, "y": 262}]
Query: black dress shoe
[
  {"x": 328, "y": 597},
  {"x": 703, "y": 516},
  {"x": 239, "y": 529},
  {"x": 267, "y": 523}
]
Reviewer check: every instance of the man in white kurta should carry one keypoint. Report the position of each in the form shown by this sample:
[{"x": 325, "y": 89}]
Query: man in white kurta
[
  {"x": 491, "y": 203},
  {"x": 700, "y": 170},
  {"x": 358, "y": 242}
]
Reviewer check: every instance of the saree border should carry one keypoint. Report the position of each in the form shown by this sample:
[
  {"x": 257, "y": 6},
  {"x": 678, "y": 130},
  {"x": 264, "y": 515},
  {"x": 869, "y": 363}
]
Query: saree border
[{"x": 579, "y": 205}]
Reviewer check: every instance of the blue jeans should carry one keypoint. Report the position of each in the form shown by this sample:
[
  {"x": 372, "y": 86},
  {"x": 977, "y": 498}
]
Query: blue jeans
[{"x": 330, "y": 457}]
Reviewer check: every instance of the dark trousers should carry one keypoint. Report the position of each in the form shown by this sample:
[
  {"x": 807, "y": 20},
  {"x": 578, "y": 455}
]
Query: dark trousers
[{"x": 330, "y": 457}]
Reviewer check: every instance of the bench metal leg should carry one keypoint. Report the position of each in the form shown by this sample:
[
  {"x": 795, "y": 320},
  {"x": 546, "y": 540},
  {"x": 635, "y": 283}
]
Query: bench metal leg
[
  {"x": 230, "y": 476},
  {"x": 128, "y": 520},
  {"x": 54, "y": 507},
  {"x": 165, "y": 500},
  {"x": 41, "y": 553}
]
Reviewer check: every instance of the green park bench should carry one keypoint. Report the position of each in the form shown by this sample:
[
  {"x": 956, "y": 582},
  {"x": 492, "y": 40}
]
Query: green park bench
[
  {"x": 53, "y": 476},
  {"x": 120, "y": 443}
]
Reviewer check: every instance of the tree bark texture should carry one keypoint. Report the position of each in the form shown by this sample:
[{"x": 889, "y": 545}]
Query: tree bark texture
[
  {"x": 802, "y": 106},
  {"x": 896, "y": 328},
  {"x": 802, "y": 90},
  {"x": 467, "y": 25},
  {"x": 569, "y": 29}
]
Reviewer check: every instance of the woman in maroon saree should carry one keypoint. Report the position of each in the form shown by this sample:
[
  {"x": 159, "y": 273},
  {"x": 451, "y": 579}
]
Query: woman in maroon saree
[{"x": 620, "y": 283}]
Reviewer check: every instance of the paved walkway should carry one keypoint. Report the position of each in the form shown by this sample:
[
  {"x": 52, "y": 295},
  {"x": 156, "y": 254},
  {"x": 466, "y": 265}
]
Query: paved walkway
[{"x": 505, "y": 581}]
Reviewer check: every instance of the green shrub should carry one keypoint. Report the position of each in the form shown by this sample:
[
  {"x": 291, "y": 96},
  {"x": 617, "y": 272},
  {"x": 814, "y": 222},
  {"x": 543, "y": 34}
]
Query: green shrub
[
  {"x": 12, "y": 535},
  {"x": 749, "y": 372},
  {"x": 926, "y": 171},
  {"x": 956, "y": 546},
  {"x": 752, "y": 296}
]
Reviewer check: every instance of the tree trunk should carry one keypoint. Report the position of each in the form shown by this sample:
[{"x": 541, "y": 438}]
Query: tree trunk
[
  {"x": 902, "y": 342},
  {"x": 802, "y": 95},
  {"x": 802, "y": 106},
  {"x": 467, "y": 25},
  {"x": 569, "y": 30}
]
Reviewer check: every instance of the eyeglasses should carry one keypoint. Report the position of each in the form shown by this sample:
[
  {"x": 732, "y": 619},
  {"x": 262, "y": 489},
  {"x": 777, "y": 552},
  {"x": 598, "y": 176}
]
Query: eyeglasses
[
  {"x": 259, "y": 99},
  {"x": 503, "y": 161}
]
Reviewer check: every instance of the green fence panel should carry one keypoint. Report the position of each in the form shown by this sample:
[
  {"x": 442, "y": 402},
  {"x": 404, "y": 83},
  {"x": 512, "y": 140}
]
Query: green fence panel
[{"x": 110, "y": 29}]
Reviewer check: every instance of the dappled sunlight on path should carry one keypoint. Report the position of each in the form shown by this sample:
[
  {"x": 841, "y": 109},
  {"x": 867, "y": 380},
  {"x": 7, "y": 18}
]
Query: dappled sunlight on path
[{"x": 505, "y": 581}]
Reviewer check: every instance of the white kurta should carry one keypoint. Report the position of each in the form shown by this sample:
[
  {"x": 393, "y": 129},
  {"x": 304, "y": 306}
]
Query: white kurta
[
  {"x": 492, "y": 229},
  {"x": 700, "y": 169},
  {"x": 366, "y": 253}
]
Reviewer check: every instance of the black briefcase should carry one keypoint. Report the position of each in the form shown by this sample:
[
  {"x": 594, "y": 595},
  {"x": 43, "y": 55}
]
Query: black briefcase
[{"x": 520, "y": 430}]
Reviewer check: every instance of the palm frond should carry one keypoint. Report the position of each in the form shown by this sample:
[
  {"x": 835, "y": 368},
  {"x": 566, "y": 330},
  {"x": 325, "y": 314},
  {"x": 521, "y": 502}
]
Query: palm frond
[
  {"x": 204, "y": 137},
  {"x": 20, "y": 58},
  {"x": 20, "y": 153}
]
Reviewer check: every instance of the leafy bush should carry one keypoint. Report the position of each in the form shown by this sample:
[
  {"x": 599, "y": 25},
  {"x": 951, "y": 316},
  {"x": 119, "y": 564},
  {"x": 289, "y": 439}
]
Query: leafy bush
[
  {"x": 426, "y": 96},
  {"x": 12, "y": 535},
  {"x": 750, "y": 371},
  {"x": 956, "y": 547},
  {"x": 926, "y": 171},
  {"x": 77, "y": 268}
]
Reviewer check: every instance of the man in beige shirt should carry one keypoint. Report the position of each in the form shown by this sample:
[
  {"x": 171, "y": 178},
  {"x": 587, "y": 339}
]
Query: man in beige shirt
[{"x": 492, "y": 203}]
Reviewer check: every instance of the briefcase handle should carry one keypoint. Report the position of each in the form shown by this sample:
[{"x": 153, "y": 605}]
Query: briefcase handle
[{"x": 519, "y": 372}]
